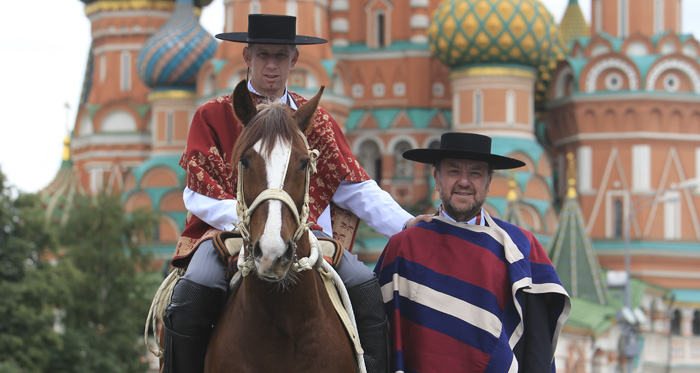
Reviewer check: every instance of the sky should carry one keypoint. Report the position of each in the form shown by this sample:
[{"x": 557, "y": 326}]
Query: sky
[{"x": 45, "y": 46}]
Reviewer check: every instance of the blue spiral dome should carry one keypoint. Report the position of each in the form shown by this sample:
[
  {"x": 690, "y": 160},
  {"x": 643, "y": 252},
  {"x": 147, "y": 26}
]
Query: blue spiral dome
[{"x": 173, "y": 55}]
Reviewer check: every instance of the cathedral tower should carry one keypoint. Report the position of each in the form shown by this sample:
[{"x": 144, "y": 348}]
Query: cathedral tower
[
  {"x": 112, "y": 128},
  {"x": 625, "y": 101},
  {"x": 498, "y": 53}
]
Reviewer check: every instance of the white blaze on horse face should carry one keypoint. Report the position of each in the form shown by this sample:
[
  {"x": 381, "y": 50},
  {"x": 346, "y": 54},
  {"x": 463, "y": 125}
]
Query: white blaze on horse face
[{"x": 271, "y": 242}]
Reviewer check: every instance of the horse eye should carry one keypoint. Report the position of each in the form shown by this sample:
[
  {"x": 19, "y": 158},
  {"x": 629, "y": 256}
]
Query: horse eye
[
  {"x": 245, "y": 163},
  {"x": 304, "y": 164}
]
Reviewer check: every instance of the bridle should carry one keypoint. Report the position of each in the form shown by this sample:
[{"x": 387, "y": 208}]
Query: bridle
[
  {"x": 302, "y": 225},
  {"x": 332, "y": 281}
]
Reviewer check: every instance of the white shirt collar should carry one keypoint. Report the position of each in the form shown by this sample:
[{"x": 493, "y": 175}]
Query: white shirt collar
[
  {"x": 479, "y": 217},
  {"x": 284, "y": 99}
]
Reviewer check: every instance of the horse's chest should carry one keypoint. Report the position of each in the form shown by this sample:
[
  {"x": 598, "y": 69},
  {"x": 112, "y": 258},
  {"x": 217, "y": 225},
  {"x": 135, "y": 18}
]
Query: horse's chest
[{"x": 283, "y": 339}]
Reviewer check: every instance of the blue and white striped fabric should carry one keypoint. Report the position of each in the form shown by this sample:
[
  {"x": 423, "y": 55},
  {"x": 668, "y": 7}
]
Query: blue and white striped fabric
[{"x": 453, "y": 295}]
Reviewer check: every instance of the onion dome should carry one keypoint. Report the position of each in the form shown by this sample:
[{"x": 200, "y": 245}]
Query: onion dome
[
  {"x": 197, "y": 3},
  {"x": 573, "y": 25},
  {"x": 544, "y": 74},
  {"x": 59, "y": 196},
  {"x": 465, "y": 32},
  {"x": 172, "y": 56}
]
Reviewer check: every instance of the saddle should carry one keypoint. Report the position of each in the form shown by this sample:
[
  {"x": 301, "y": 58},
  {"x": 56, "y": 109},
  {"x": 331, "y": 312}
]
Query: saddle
[{"x": 229, "y": 244}]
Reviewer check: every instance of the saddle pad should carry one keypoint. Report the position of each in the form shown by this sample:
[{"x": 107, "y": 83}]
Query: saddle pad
[{"x": 229, "y": 244}]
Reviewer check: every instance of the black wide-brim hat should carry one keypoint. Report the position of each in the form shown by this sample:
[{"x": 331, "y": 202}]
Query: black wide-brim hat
[
  {"x": 270, "y": 29},
  {"x": 459, "y": 145}
]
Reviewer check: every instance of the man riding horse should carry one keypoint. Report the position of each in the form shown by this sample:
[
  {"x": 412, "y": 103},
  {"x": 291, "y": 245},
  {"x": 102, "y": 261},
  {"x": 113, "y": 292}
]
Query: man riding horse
[{"x": 340, "y": 185}]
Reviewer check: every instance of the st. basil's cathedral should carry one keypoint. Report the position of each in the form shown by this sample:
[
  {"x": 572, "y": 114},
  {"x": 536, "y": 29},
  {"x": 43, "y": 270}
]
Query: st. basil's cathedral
[{"x": 605, "y": 116}]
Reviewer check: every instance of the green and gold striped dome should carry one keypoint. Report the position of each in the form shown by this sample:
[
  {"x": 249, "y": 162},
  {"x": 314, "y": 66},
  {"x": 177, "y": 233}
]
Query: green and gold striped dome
[{"x": 465, "y": 32}]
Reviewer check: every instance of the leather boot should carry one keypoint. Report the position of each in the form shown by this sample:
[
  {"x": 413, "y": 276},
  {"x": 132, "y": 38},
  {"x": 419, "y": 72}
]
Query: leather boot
[
  {"x": 372, "y": 324},
  {"x": 188, "y": 323}
]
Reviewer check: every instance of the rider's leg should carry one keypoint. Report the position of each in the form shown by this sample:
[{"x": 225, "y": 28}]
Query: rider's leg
[
  {"x": 368, "y": 306},
  {"x": 197, "y": 300}
]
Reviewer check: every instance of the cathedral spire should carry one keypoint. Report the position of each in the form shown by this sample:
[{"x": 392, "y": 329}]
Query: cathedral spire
[
  {"x": 572, "y": 252},
  {"x": 59, "y": 196},
  {"x": 573, "y": 25},
  {"x": 512, "y": 213}
]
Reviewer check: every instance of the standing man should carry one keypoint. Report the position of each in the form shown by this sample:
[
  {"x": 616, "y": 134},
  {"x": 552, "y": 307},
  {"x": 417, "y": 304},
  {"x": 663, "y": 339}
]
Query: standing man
[
  {"x": 467, "y": 292},
  {"x": 199, "y": 294}
]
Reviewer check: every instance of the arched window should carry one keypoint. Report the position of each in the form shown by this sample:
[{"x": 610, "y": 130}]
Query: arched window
[
  {"x": 118, "y": 121},
  {"x": 169, "y": 128},
  {"x": 618, "y": 218},
  {"x": 478, "y": 118},
  {"x": 381, "y": 41},
  {"x": 125, "y": 81},
  {"x": 658, "y": 16},
  {"x": 403, "y": 167},
  {"x": 254, "y": 7},
  {"x": 292, "y": 8},
  {"x": 676, "y": 323},
  {"x": 623, "y": 18},
  {"x": 696, "y": 322},
  {"x": 209, "y": 85},
  {"x": 371, "y": 160},
  {"x": 672, "y": 215},
  {"x": 378, "y": 22},
  {"x": 337, "y": 85},
  {"x": 510, "y": 107}
]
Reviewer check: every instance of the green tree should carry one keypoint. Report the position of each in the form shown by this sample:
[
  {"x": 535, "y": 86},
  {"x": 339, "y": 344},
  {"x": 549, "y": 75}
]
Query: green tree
[
  {"x": 111, "y": 294},
  {"x": 30, "y": 284}
]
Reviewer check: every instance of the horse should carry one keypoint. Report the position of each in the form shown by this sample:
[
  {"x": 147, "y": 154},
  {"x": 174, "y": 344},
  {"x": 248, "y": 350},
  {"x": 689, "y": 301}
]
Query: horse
[{"x": 278, "y": 319}]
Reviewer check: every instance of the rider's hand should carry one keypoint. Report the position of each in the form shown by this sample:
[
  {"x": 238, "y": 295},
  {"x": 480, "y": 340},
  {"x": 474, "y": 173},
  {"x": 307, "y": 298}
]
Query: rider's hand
[{"x": 425, "y": 217}]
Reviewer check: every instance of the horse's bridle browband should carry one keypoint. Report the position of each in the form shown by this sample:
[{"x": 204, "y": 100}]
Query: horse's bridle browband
[{"x": 245, "y": 212}]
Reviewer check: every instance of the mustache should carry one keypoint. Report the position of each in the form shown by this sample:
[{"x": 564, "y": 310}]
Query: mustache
[{"x": 463, "y": 190}]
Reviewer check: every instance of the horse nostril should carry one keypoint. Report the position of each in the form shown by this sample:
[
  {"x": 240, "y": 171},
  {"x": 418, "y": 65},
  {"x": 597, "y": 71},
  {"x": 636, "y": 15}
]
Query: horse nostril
[
  {"x": 289, "y": 253},
  {"x": 257, "y": 251}
]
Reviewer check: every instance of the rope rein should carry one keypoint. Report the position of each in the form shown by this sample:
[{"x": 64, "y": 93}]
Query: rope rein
[{"x": 157, "y": 310}]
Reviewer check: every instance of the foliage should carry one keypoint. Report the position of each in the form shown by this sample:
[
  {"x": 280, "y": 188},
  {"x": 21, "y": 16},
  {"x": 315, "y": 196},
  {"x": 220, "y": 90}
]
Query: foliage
[
  {"x": 73, "y": 300},
  {"x": 105, "y": 316},
  {"x": 29, "y": 284}
]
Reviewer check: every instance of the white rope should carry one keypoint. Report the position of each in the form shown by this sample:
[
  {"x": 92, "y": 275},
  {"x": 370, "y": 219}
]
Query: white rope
[
  {"x": 344, "y": 307},
  {"x": 309, "y": 262},
  {"x": 160, "y": 301},
  {"x": 326, "y": 271}
]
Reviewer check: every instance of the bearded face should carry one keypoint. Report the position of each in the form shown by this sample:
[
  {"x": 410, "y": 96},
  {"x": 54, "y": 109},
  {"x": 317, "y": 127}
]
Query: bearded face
[{"x": 463, "y": 186}]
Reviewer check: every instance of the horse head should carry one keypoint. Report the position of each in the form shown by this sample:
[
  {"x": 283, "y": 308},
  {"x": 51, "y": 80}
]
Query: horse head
[{"x": 274, "y": 164}]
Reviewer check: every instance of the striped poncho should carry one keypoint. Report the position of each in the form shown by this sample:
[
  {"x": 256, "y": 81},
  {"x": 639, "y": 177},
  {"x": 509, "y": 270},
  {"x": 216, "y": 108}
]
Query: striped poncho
[{"x": 455, "y": 297}]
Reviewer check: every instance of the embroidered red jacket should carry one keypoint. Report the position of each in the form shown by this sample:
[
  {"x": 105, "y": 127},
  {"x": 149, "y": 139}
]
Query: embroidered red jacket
[{"x": 207, "y": 160}]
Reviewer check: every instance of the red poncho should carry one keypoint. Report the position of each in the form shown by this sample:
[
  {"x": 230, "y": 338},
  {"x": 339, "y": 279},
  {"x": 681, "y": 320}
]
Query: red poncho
[
  {"x": 460, "y": 297},
  {"x": 207, "y": 160}
]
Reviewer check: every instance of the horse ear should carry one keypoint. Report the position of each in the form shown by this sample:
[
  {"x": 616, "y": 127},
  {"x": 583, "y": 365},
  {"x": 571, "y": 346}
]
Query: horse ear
[
  {"x": 306, "y": 112},
  {"x": 243, "y": 105}
]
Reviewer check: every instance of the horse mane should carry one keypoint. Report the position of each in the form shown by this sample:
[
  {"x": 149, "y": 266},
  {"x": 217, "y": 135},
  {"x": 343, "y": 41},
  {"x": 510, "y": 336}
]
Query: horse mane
[{"x": 272, "y": 123}]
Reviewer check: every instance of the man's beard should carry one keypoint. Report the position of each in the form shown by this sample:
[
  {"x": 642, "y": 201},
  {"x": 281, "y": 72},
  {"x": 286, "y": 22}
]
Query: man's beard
[{"x": 464, "y": 213}]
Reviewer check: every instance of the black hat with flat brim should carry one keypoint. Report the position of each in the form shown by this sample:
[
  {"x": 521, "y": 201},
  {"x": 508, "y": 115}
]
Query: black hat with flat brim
[
  {"x": 459, "y": 145},
  {"x": 270, "y": 29}
]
